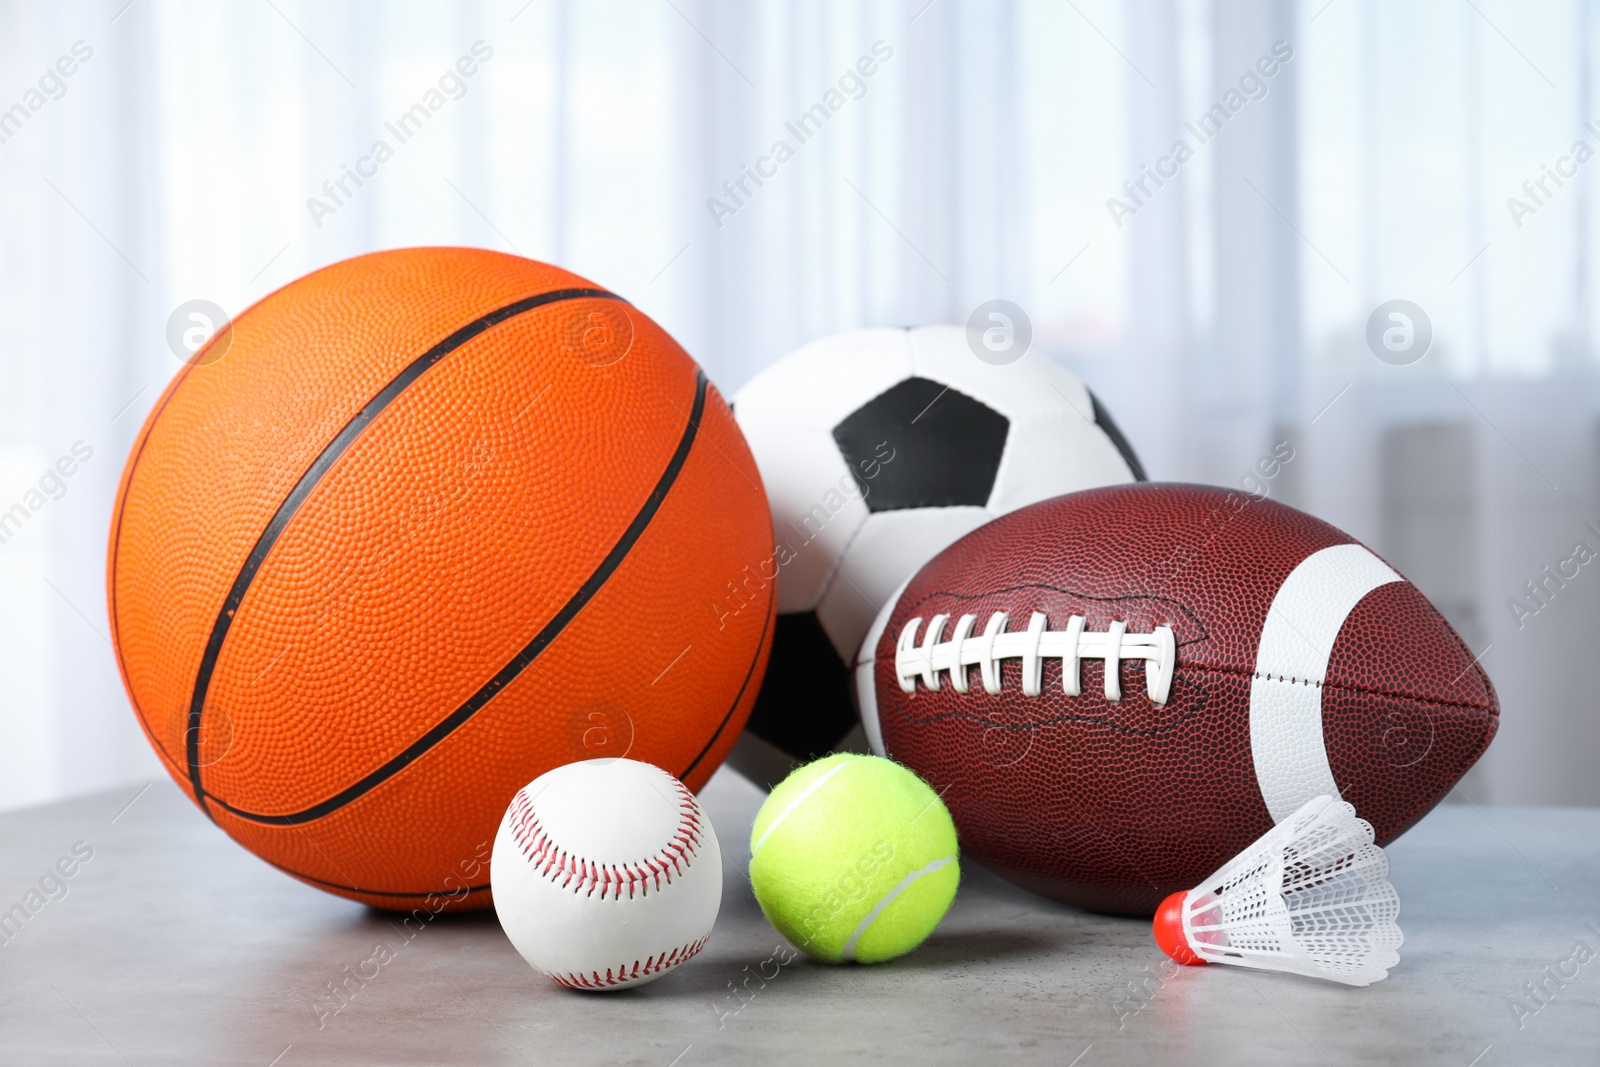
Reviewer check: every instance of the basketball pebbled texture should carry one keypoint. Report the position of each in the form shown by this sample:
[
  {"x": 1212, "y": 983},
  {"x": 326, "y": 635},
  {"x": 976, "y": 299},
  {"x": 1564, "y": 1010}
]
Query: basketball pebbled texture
[
  {"x": 437, "y": 521},
  {"x": 1113, "y": 805}
]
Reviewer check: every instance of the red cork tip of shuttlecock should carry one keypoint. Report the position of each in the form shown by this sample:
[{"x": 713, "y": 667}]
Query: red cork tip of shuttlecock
[{"x": 1168, "y": 928}]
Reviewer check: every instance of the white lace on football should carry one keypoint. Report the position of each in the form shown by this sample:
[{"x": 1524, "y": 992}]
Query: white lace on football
[{"x": 1033, "y": 646}]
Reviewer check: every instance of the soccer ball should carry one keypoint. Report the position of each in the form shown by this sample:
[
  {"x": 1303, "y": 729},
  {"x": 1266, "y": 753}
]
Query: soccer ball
[{"x": 878, "y": 448}]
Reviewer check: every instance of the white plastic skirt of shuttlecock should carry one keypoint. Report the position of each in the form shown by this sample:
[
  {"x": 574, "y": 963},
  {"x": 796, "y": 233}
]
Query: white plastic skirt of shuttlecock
[{"x": 1311, "y": 896}]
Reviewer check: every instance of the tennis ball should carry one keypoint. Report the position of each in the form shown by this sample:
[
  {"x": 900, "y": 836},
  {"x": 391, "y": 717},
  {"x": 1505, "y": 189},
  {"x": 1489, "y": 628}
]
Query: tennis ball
[{"x": 854, "y": 858}]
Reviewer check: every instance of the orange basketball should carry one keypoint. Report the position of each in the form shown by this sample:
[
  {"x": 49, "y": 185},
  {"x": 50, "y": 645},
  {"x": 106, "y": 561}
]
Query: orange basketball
[{"x": 420, "y": 527}]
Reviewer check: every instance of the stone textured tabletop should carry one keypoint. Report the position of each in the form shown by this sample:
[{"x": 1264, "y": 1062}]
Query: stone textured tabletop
[{"x": 172, "y": 945}]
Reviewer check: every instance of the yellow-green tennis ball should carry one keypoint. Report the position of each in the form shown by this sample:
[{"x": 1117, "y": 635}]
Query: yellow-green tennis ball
[{"x": 854, "y": 858}]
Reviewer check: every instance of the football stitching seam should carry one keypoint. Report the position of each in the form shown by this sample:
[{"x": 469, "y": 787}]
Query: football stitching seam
[
  {"x": 570, "y": 871},
  {"x": 1291, "y": 680},
  {"x": 1341, "y": 687},
  {"x": 650, "y": 965},
  {"x": 1202, "y": 669}
]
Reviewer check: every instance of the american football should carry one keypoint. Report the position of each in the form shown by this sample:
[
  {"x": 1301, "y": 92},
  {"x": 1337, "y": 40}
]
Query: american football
[{"x": 1162, "y": 673}]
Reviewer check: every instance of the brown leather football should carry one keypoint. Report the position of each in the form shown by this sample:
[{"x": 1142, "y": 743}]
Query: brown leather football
[{"x": 1115, "y": 691}]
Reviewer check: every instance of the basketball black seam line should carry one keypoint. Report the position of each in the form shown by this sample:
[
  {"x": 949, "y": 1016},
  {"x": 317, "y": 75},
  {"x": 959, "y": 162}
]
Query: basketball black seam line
[
  {"x": 143, "y": 441},
  {"x": 520, "y": 662},
  {"x": 772, "y": 613},
  {"x": 116, "y": 553},
  {"x": 308, "y": 482}
]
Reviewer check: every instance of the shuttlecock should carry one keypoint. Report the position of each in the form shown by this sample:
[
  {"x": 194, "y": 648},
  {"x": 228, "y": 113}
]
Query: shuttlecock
[{"x": 1311, "y": 896}]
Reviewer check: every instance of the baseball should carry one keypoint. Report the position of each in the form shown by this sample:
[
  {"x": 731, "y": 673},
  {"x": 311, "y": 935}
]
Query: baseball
[{"x": 606, "y": 874}]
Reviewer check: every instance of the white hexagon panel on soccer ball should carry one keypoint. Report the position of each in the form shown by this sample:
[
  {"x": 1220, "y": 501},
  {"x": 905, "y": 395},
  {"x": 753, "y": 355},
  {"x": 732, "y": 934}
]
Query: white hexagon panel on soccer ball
[
  {"x": 1032, "y": 468},
  {"x": 891, "y": 547},
  {"x": 819, "y": 385},
  {"x": 816, "y": 507},
  {"x": 1032, "y": 385}
]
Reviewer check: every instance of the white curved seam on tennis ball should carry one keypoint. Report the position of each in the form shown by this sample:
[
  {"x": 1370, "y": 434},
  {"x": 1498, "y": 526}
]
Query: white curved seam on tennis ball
[
  {"x": 877, "y": 910},
  {"x": 805, "y": 794}
]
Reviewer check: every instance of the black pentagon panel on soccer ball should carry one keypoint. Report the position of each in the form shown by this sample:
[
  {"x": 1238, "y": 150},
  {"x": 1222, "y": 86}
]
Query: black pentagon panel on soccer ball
[
  {"x": 1102, "y": 419},
  {"x": 804, "y": 707},
  {"x": 922, "y": 444}
]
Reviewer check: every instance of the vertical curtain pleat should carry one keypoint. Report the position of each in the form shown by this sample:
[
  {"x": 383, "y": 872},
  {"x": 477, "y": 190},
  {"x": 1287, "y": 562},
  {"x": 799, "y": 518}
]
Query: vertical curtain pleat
[{"x": 203, "y": 152}]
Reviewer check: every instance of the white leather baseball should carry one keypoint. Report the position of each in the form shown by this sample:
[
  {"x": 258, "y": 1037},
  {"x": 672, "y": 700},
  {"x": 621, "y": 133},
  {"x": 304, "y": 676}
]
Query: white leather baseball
[{"x": 606, "y": 873}]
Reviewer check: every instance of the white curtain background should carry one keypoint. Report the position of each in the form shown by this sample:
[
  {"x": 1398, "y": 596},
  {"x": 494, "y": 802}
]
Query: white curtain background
[{"x": 1226, "y": 315}]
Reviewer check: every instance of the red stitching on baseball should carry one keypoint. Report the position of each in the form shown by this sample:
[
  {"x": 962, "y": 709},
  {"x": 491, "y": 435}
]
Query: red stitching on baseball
[
  {"x": 627, "y": 973},
  {"x": 581, "y": 875}
]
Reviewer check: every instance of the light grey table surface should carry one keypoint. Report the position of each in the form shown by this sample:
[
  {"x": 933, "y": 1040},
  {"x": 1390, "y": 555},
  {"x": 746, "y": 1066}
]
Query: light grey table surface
[{"x": 172, "y": 945}]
